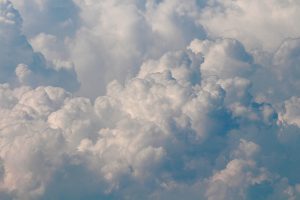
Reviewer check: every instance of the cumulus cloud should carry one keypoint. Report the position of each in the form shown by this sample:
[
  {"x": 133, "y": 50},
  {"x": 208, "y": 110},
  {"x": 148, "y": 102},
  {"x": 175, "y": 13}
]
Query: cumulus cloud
[
  {"x": 18, "y": 60},
  {"x": 125, "y": 33},
  {"x": 224, "y": 58},
  {"x": 40, "y": 17},
  {"x": 257, "y": 24},
  {"x": 178, "y": 100}
]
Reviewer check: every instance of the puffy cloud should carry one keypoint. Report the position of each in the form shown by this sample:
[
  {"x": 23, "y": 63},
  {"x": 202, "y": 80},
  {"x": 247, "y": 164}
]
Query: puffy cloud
[
  {"x": 230, "y": 182},
  {"x": 19, "y": 62},
  {"x": 155, "y": 131},
  {"x": 194, "y": 113},
  {"x": 223, "y": 58},
  {"x": 117, "y": 36},
  {"x": 131, "y": 131},
  {"x": 257, "y": 24},
  {"x": 291, "y": 113}
]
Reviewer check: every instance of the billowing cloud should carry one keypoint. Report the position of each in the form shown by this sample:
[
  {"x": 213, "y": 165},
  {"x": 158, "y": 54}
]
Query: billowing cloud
[
  {"x": 125, "y": 33},
  {"x": 19, "y": 62},
  {"x": 172, "y": 105},
  {"x": 257, "y": 24}
]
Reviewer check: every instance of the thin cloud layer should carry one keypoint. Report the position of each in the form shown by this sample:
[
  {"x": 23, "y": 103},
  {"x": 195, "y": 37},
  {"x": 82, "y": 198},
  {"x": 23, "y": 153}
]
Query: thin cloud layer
[{"x": 171, "y": 105}]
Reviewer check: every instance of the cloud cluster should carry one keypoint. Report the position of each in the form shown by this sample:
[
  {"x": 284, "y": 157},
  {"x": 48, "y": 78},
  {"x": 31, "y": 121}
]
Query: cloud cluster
[
  {"x": 179, "y": 100},
  {"x": 111, "y": 37}
]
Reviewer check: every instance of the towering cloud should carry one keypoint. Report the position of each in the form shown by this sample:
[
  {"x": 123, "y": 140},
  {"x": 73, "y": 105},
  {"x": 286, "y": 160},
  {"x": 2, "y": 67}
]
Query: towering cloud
[{"x": 178, "y": 100}]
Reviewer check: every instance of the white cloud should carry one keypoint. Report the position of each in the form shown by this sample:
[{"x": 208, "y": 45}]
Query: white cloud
[
  {"x": 16, "y": 53},
  {"x": 117, "y": 36},
  {"x": 258, "y": 24},
  {"x": 291, "y": 113},
  {"x": 223, "y": 58},
  {"x": 193, "y": 113}
]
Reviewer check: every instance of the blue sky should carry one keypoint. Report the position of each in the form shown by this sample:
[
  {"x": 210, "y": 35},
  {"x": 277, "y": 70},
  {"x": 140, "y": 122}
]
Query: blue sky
[{"x": 149, "y": 99}]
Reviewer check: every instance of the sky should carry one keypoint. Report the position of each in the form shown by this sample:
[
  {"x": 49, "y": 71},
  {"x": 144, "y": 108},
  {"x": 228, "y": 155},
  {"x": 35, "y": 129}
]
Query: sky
[{"x": 149, "y": 99}]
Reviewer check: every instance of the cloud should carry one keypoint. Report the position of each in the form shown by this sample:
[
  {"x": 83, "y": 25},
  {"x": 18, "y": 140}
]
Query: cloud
[
  {"x": 257, "y": 24},
  {"x": 117, "y": 36},
  {"x": 291, "y": 114},
  {"x": 19, "y": 61},
  {"x": 276, "y": 78},
  {"x": 224, "y": 58},
  {"x": 40, "y": 18},
  {"x": 172, "y": 105},
  {"x": 231, "y": 182}
]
